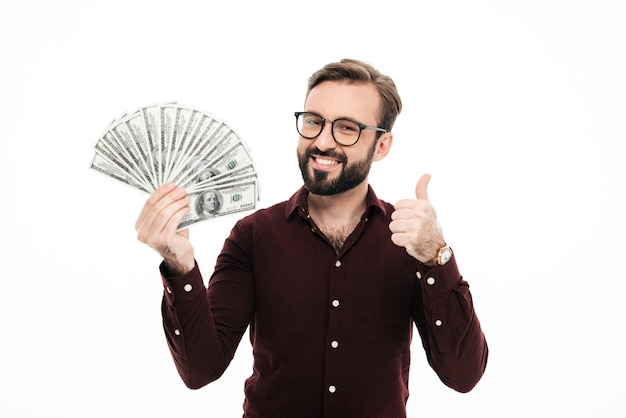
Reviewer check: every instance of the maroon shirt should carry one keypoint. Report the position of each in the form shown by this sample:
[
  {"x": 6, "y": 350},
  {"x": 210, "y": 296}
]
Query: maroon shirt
[{"x": 330, "y": 332}]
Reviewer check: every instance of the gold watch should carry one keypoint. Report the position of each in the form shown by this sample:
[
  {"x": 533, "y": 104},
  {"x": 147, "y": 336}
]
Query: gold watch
[{"x": 443, "y": 255}]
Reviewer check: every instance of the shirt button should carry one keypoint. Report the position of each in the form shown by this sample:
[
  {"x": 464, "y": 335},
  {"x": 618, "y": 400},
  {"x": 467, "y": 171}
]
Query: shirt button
[
  {"x": 188, "y": 288},
  {"x": 438, "y": 322},
  {"x": 177, "y": 332},
  {"x": 419, "y": 275},
  {"x": 332, "y": 389},
  {"x": 338, "y": 263},
  {"x": 334, "y": 344},
  {"x": 335, "y": 303},
  {"x": 430, "y": 281},
  {"x": 313, "y": 229},
  {"x": 168, "y": 290}
]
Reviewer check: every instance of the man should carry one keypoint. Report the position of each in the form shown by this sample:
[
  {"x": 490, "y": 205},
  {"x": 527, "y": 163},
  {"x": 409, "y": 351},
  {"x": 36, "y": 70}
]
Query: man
[{"x": 330, "y": 281}]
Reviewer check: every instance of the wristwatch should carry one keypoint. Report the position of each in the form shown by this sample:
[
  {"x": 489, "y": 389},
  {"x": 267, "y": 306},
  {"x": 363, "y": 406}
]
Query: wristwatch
[{"x": 443, "y": 255}]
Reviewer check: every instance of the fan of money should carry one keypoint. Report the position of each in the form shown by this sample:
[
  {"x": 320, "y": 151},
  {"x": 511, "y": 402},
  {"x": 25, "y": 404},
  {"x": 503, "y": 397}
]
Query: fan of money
[{"x": 171, "y": 143}]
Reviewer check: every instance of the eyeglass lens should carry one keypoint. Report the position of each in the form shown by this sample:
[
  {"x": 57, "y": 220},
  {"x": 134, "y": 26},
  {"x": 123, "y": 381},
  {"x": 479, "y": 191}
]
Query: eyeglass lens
[{"x": 345, "y": 131}]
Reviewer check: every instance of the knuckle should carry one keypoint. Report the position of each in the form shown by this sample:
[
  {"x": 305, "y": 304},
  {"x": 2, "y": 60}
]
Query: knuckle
[{"x": 142, "y": 236}]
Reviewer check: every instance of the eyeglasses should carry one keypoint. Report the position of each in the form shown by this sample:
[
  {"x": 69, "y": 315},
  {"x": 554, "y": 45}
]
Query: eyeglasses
[{"x": 345, "y": 131}]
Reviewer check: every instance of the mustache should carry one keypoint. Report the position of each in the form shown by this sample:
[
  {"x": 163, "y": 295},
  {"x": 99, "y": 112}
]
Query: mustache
[{"x": 329, "y": 154}]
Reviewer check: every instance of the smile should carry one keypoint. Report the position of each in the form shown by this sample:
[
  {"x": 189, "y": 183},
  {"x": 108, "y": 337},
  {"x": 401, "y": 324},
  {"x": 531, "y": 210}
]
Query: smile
[{"x": 325, "y": 161}]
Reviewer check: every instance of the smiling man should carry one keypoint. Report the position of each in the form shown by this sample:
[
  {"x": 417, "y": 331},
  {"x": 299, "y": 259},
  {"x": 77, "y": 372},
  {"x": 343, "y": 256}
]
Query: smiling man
[{"x": 330, "y": 282}]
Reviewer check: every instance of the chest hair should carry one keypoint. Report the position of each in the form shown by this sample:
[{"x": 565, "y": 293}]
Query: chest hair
[{"x": 338, "y": 233}]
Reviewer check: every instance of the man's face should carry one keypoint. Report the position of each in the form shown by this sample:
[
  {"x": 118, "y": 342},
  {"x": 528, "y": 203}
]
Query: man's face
[
  {"x": 210, "y": 202},
  {"x": 329, "y": 168}
]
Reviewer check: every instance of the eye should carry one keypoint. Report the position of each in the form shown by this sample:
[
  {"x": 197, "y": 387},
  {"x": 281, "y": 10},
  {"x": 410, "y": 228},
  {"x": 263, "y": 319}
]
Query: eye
[
  {"x": 346, "y": 126},
  {"x": 312, "y": 120}
]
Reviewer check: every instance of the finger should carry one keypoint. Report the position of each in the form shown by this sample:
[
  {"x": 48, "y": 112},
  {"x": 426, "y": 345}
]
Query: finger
[
  {"x": 154, "y": 199},
  {"x": 171, "y": 226},
  {"x": 400, "y": 239},
  {"x": 421, "y": 189},
  {"x": 403, "y": 211},
  {"x": 159, "y": 219},
  {"x": 411, "y": 208},
  {"x": 154, "y": 220},
  {"x": 402, "y": 204},
  {"x": 397, "y": 226},
  {"x": 159, "y": 228},
  {"x": 160, "y": 199}
]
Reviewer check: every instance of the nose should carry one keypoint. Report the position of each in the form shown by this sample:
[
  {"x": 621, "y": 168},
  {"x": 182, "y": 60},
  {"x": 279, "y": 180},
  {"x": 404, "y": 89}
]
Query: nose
[{"x": 325, "y": 140}]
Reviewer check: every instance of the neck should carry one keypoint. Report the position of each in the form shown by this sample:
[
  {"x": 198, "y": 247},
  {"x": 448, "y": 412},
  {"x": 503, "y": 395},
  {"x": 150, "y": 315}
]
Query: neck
[{"x": 339, "y": 208}]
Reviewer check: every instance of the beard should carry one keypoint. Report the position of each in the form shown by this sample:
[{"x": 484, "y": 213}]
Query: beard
[{"x": 350, "y": 176}]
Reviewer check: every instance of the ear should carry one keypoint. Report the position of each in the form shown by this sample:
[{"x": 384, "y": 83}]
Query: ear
[{"x": 383, "y": 146}]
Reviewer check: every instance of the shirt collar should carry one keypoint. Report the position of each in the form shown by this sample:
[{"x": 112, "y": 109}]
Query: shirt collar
[{"x": 299, "y": 202}]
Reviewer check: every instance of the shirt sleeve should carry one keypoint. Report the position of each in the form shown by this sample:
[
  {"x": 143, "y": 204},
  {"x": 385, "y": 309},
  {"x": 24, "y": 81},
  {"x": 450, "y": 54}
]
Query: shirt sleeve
[
  {"x": 451, "y": 334},
  {"x": 204, "y": 325}
]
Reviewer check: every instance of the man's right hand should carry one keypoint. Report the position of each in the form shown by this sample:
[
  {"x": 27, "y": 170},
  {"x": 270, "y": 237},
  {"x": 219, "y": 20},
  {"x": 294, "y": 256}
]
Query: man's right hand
[{"x": 157, "y": 227}]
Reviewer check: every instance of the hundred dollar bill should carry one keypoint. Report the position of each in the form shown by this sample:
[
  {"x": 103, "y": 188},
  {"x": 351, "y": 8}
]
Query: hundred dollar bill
[
  {"x": 187, "y": 137},
  {"x": 120, "y": 139},
  {"x": 203, "y": 133},
  {"x": 222, "y": 143},
  {"x": 236, "y": 156},
  {"x": 105, "y": 160},
  {"x": 228, "y": 181},
  {"x": 220, "y": 201},
  {"x": 102, "y": 165},
  {"x": 206, "y": 176},
  {"x": 135, "y": 127},
  {"x": 109, "y": 148},
  {"x": 217, "y": 135},
  {"x": 152, "y": 121},
  {"x": 181, "y": 117},
  {"x": 168, "y": 119}
]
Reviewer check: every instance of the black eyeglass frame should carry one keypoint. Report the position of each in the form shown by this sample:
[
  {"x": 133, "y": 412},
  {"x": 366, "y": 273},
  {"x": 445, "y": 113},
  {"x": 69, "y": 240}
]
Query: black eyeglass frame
[{"x": 361, "y": 126}]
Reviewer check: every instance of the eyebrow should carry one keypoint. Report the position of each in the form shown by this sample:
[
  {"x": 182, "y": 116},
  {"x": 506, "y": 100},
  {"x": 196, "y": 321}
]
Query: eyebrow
[{"x": 339, "y": 117}]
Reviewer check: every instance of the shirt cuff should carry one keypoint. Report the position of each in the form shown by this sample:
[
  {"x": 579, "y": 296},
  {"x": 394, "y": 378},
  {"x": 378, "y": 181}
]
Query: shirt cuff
[
  {"x": 439, "y": 279},
  {"x": 181, "y": 289}
]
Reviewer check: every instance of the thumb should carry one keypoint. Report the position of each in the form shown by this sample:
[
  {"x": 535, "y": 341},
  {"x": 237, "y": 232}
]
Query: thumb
[{"x": 421, "y": 191}]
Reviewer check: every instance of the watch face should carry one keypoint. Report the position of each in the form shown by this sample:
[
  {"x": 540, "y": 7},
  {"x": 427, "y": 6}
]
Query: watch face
[{"x": 446, "y": 254}]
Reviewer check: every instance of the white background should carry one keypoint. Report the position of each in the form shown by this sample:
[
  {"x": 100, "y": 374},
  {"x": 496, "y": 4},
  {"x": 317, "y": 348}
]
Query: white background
[{"x": 516, "y": 108}]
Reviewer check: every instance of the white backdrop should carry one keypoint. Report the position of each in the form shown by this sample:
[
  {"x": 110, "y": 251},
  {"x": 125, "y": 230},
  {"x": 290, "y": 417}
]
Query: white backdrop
[{"x": 516, "y": 108}]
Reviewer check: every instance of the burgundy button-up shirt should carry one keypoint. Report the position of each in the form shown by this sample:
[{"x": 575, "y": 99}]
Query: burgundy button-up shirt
[{"x": 330, "y": 332}]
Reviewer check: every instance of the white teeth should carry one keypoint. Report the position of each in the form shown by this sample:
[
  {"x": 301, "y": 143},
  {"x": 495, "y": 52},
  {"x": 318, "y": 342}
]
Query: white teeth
[{"x": 323, "y": 161}]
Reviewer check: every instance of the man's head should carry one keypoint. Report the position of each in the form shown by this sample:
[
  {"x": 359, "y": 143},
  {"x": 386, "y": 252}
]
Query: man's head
[
  {"x": 358, "y": 72},
  {"x": 345, "y": 99}
]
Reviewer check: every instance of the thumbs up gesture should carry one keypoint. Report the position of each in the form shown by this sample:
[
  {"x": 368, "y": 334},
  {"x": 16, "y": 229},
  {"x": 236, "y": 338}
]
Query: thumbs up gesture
[{"x": 414, "y": 225}]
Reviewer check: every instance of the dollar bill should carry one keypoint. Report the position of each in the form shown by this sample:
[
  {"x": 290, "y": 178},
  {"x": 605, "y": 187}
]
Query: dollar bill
[
  {"x": 220, "y": 200},
  {"x": 134, "y": 132},
  {"x": 206, "y": 177},
  {"x": 175, "y": 148},
  {"x": 108, "y": 149},
  {"x": 199, "y": 165},
  {"x": 152, "y": 121},
  {"x": 194, "y": 148},
  {"x": 237, "y": 156},
  {"x": 102, "y": 165}
]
